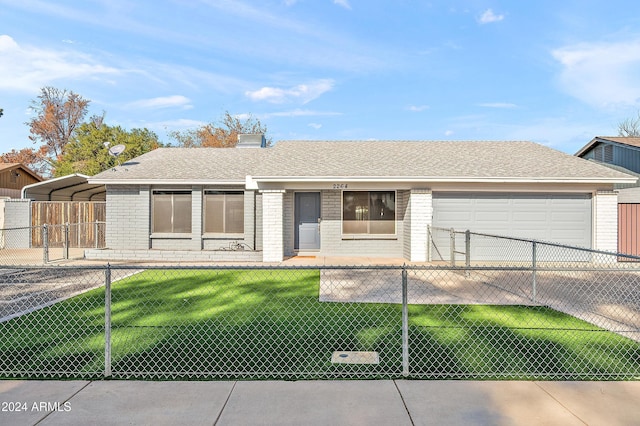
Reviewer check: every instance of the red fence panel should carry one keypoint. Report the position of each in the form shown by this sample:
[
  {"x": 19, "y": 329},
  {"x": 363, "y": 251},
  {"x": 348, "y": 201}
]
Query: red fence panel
[{"x": 629, "y": 229}]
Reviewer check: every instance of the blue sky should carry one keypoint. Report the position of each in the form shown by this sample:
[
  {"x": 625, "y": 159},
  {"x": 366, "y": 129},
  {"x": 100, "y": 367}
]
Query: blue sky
[{"x": 554, "y": 72}]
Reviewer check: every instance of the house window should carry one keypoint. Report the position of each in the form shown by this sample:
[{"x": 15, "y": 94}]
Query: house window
[
  {"x": 369, "y": 212},
  {"x": 171, "y": 212},
  {"x": 224, "y": 212}
]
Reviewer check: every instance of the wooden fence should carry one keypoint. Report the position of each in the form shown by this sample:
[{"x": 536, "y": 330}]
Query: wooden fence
[
  {"x": 81, "y": 215},
  {"x": 629, "y": 229}
]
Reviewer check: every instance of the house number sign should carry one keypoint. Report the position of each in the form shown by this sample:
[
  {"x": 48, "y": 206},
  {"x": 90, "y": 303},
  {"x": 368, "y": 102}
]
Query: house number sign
[{"x": 340, "y": 185}]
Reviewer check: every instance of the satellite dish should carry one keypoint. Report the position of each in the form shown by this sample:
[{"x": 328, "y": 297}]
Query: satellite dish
[{"x": 117, "y": 150}]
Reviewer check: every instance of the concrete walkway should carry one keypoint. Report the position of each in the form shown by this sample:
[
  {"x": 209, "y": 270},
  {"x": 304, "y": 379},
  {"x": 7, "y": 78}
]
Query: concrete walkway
[{"x": 384, "y": 402}]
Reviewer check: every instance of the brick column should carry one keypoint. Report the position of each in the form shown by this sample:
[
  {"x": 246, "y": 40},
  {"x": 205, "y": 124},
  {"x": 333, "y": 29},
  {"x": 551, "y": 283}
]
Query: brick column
[
  {"x": 196, "y": 218},
  {"x": 273, "y": 225},
  {"x": 606, "y": 221},
  {"x": 421, "y": 204}
]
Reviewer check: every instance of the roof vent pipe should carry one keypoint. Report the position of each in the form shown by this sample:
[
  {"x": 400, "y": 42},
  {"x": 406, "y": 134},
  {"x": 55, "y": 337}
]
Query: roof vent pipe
[{"x": 251, "y": 141}]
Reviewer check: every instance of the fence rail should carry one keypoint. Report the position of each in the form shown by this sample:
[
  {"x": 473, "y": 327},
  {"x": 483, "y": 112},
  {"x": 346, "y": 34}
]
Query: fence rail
[
  {"x": 457, "y": 247},
  {"x": 433, "y": 321}
]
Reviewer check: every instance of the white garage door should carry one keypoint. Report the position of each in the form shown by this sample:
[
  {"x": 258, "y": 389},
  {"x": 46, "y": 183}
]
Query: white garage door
[{"x": 560, "y": 218}]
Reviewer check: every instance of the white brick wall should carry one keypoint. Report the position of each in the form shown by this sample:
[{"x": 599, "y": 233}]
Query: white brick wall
[
  {"x": 17, "y": 214},
  {"x": 273, "y": 225},
  {"x": 406, "y": 228},
  {"x": 196, "y": 218},
  {"x": 606, "y": 221},
  {"x": 289, "y": 225},
  {"x": 174, "y": 255},
  {"x": 421, "y": 215},
  {"x": 249, "y": 220},
  {"x": 128, "y": 217}
]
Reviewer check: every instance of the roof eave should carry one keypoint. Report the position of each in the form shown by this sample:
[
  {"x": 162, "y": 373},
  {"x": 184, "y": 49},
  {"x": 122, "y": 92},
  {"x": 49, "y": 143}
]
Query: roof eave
[{"x": 447, "y": 179}]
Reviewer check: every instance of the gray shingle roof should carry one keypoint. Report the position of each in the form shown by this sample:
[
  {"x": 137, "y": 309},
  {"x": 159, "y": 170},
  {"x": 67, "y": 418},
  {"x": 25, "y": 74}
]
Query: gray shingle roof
[
  {"x": 428, "y": 160},
  {"x": 188, "y": 164}
]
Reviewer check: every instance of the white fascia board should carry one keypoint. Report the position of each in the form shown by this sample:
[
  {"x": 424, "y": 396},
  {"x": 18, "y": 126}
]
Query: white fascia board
[
  {"x": 251, "y": 183},
  {"x": 165, "y": 182},
  {"x": 442, "y": 179}
]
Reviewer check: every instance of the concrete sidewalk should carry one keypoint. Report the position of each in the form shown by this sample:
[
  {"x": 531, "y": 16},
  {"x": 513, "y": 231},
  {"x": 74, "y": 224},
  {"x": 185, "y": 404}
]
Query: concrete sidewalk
[{"x": 383, "y": 402}]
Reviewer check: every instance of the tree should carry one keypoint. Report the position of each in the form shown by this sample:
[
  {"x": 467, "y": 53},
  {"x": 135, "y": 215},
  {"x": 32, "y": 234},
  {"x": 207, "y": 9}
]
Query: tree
[
  {"x": 58, "y": 114},
  {"x": 32, "y": 158},
  {"x": 1, "y": 112},
  {"x": 630, "y": 127},
  {"x": 87, "y": 153},
  {"x": 224, "y": 135}
]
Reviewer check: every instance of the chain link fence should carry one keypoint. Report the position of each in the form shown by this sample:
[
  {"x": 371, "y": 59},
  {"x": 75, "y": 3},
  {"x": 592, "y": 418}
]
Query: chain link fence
[
  {"x": 39, "y": 245},
  {"x": 465, "y": 248},
  {"x": 435, "y": 321}
]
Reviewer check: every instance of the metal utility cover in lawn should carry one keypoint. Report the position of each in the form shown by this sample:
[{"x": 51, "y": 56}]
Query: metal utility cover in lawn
[{"x": 355, "y": 357}]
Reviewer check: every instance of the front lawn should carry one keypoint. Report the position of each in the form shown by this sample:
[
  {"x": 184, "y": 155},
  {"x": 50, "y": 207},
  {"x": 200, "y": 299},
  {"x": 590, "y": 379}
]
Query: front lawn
[{"x": 270, "y": 324}]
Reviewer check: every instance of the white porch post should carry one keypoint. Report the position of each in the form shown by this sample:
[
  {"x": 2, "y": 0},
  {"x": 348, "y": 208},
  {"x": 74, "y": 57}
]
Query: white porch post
[
  {"x": 421, "y": 202},
  {"x": 606, "y": 221},
  {"x": 272, "y": 223}
]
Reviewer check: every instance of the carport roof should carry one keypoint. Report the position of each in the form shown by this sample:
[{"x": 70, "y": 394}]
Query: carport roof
[
  {"x": 73, "y": 187},
  {"x": 425, "y": 161}
]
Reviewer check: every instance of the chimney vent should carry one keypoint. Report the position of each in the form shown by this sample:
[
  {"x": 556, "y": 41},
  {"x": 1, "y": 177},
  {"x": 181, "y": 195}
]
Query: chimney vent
[{"x": 251, "y": 141}]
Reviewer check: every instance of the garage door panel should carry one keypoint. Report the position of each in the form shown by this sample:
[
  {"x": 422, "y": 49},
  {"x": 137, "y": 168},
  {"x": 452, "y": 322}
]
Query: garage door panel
[
  {"x": 561, "y": 218},
  {"x": 530, "y": 216},
  {"x": 491, "y": 216},
  {"x": 453, "y": 216},
  {"x": 567, "y": 217}
]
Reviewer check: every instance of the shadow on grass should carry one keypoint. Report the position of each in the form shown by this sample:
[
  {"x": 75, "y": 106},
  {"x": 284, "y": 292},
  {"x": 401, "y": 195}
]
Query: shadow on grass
[
  {"x": 270, "y": 324},
  {"x": 515, "y": 342}
]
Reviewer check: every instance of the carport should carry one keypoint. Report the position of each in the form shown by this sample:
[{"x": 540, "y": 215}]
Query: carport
[{"x": 73, "y": 187}]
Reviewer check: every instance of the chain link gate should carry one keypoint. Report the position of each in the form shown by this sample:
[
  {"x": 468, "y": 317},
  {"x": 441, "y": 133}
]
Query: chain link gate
[{"x": 179, "y": 322}]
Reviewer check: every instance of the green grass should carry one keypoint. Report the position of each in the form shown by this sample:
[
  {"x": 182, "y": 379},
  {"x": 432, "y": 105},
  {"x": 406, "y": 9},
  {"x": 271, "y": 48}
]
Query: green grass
[{"x": 270, "y": 324}]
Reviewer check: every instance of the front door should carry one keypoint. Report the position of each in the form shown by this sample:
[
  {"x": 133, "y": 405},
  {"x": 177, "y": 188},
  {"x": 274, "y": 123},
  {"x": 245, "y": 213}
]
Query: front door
[{"x": 307, "y": 221}]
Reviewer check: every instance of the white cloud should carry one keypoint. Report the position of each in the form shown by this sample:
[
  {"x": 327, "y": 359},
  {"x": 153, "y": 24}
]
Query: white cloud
[
  {"x": 315, "y": 125},
  {"x": 417, "y": 108},
  {"x": 343, "y": 3},
  {"x": 448, "y": 133},
  {"x": 488, "y": 17},
  {"x": 506, "y": 105},
  {"x": 301, "y": 93},
  {"x": 603, "y": 74},
  {"x": 162, "y": 102},
  {"x": 27, "y": 68}
]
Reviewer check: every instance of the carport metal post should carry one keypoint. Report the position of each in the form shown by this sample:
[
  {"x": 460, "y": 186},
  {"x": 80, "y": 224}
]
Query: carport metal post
[
  {"x": 534, "y": 249},
  {"x": 107, "y": 321},
  {"x": 405, "y": 324}
]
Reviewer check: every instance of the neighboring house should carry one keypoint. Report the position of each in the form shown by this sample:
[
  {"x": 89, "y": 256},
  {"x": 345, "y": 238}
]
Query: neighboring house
[
  {"x": 622, "y": 154},
  {"x": 15, "y": 176},
  {"x": 350, "y": 198}
]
